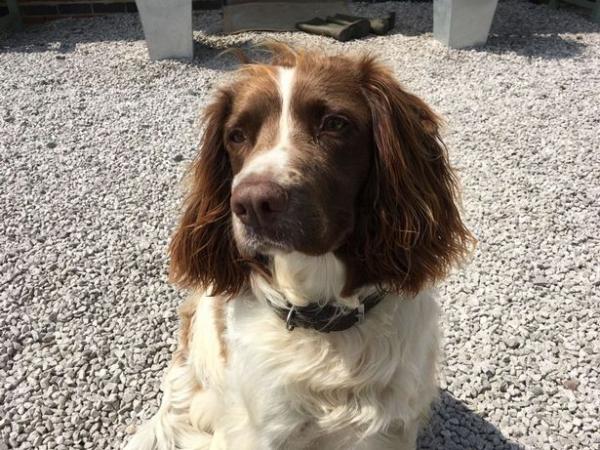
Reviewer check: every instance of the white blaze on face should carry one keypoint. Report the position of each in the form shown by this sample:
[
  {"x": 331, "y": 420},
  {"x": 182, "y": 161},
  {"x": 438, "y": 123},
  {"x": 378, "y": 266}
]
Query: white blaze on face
[
  {"x": 275, "y": 160},
  {"x": 286, "y": 84}
]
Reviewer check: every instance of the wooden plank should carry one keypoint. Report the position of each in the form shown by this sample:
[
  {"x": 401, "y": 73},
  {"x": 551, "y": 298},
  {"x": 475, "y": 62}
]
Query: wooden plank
[
  {"x": 589, "y": 4},
  {"x": 583, "y": 3},
  {"x": 13, "y": 19}
]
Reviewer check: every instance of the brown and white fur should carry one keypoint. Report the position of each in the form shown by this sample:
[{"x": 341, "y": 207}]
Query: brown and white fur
[{"x": 319, "y": 178}]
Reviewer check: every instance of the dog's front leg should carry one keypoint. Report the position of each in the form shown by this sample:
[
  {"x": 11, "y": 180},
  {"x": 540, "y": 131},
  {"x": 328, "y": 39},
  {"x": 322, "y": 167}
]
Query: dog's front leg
[
  {"x": 251, "y": 439},
  {"x": 241, "y": 428},
  {"x": 404, "y": 438}
]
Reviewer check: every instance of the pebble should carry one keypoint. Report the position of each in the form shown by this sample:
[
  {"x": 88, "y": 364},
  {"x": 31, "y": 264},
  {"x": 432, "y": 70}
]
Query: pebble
[{"x": 571, "y": 384}]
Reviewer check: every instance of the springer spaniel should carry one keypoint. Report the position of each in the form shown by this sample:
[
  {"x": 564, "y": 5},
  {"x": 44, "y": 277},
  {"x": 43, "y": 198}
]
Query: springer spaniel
[{"x": 322, "y": 208}]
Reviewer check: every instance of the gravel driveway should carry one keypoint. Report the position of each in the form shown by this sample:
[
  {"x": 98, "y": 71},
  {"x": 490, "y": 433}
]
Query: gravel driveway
[{"x": 94, "y": 140}]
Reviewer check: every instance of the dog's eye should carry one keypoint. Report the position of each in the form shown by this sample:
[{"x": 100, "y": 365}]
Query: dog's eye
[
  {"x": 237, "y": 136},
  {"x": 334, "y": 124}
]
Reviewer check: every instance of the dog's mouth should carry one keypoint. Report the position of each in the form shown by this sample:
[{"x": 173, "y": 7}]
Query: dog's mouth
[
  {"x": 306, "y": 235},
  {"x": 251, "y": 241}
]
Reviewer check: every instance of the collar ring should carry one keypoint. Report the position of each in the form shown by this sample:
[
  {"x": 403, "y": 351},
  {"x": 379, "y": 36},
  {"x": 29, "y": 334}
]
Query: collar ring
[{"x": 290, "y": 317}]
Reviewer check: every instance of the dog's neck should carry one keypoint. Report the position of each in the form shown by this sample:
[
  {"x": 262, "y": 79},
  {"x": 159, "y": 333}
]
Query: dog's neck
[{"x": 300, "y": 280}]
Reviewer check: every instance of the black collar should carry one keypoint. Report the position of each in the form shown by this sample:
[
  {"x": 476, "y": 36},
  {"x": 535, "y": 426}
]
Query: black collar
[{"x": 328, "y": 317}]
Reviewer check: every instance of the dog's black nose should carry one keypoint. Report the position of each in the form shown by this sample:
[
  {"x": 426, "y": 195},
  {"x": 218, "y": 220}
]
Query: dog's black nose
[{"x": 258, "y": 203}]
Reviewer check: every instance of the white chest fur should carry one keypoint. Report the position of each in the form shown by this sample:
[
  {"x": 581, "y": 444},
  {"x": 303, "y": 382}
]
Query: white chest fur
[{"x": 371, "y": 378}]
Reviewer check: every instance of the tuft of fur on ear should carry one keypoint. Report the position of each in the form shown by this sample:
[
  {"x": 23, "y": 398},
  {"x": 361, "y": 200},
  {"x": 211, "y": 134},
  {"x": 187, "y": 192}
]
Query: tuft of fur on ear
[
  {"x": 203, "y": 251},
  {"x": 273, "y": 52},
  {"x": 409, "y": 231}
]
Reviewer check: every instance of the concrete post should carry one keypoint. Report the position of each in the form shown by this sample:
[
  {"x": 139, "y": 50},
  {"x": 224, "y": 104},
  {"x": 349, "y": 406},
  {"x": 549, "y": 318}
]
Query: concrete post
[
  {"x": 167, "y": 27},
  {"x": 463, "y": 23}
]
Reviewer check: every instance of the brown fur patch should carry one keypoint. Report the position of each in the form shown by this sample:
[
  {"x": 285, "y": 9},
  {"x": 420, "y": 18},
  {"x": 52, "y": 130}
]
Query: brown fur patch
[
  {"x": 221, "y": 324},
  {"x": 187, "y": 312}
]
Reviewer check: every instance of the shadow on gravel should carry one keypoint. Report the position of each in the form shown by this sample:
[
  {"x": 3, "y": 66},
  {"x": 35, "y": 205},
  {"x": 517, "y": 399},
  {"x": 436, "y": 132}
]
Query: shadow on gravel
[
  {"x": 537, "y": 31},
  {"x": 64, "y": 35},
  {"x": 546, "y": 47},
  {"x": 453, "y": 426},
  {"x": 519, "y": 28}
]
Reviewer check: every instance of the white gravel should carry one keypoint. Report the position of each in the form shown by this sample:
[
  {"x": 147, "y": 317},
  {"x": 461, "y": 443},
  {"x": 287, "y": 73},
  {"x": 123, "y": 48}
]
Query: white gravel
[{"x": 94, "y": 139}]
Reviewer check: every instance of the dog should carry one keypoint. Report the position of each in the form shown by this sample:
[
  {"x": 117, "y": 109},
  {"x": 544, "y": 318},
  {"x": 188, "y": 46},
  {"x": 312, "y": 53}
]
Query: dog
[{"x": 321, "y": 211}]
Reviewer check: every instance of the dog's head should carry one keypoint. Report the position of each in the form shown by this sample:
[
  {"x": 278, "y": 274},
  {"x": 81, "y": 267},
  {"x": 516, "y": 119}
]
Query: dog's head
[{"x": 319, "y": 154}]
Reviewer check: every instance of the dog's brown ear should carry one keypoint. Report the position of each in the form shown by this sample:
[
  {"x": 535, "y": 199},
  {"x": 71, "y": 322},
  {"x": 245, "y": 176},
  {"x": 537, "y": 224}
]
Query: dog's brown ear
[
  {"x": 410, "y": 231},
  {"x": 203, "y": 252}
]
